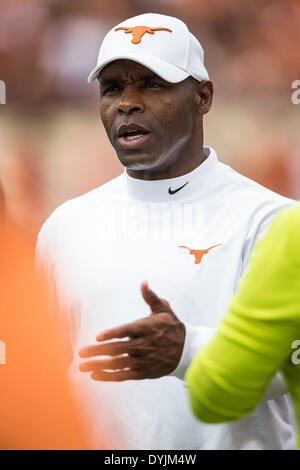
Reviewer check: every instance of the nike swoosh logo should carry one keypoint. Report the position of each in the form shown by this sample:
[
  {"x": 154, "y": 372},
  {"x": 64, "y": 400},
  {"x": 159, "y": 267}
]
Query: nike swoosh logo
[{"x": 178, "y": 189}]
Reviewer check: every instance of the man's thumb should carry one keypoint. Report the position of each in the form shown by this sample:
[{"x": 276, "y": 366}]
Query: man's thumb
[{"x": 150, "y": 297}]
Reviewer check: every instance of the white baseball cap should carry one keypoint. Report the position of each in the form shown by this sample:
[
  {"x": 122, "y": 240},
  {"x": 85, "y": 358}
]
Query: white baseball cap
[{"x": 159, "y": 42}]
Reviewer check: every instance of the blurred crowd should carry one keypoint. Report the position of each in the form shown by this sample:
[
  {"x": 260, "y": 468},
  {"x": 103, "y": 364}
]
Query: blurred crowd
[
  {"x": 47, "y": 47},
  {"x": 53, "y": 146}
]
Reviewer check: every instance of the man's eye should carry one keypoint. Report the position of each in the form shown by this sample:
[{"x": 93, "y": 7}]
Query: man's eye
[
  {"x": 151, "y": 84},
  {"x": 109, "y": 89}
]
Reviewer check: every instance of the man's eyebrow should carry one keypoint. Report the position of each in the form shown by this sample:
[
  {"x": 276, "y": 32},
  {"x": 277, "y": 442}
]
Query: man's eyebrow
[
  {"x": 106, "y": 81},
  {"x": 150, "y": 76},
  {"x": 116, "y": 79}
]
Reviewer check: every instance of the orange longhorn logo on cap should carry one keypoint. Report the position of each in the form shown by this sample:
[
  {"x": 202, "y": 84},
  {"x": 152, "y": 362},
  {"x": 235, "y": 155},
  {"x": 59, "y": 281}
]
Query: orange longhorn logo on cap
[
  {"x": 139, "y": 31},
  {"x": 199, "y": 253}
]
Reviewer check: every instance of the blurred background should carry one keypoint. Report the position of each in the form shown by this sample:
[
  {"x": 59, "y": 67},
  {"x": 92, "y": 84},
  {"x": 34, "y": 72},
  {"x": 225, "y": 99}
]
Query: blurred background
[{"x": 53, "y": 146}]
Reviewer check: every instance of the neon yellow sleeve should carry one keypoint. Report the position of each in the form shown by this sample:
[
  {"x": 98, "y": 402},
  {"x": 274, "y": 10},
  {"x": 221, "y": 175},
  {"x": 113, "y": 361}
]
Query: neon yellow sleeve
[{"x": 228, "y": 377}]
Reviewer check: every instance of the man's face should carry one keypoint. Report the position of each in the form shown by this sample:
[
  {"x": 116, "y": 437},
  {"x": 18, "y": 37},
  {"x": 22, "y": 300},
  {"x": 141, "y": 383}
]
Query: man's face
[{"x": 149, "y": 121}]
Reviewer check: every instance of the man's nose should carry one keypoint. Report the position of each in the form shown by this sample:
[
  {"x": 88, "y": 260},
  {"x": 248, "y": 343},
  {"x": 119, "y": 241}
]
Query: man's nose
[{"x": 130, "y": 101}]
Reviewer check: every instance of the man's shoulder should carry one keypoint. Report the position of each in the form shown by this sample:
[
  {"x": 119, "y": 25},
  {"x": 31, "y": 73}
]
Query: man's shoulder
[
  {"x": 110, "y": 189},
  {"x": 86, "y": 201},
  {"x": 76, "y": 209},
  {"x": 249, "y": 191}
]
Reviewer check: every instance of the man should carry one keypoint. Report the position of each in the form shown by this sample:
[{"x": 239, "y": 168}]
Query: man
[{"x": 176, "y": 218}]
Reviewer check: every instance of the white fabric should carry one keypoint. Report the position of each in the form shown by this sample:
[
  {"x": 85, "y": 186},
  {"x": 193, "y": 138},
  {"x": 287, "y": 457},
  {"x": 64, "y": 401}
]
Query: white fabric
[
  {"x": 173, "y": 55},
  {"x": 97, "y": 249}
]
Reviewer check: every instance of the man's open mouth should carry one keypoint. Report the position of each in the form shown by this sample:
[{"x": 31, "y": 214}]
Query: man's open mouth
[{"x": 132, "y": 135}]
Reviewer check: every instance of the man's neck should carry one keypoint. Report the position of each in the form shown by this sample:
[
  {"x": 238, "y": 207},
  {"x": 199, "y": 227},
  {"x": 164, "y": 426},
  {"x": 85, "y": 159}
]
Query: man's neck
[{"x": 172, "y": 171}]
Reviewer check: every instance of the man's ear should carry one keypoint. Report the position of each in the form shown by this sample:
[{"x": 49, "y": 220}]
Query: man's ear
[{"x": 203, "y": 96}]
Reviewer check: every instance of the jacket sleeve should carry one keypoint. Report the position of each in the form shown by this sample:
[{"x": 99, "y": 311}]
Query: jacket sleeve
[{"x": 229, "y": 376}]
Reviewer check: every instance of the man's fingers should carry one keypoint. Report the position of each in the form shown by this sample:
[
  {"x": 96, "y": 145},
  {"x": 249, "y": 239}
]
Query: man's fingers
[
  {"x": 115, "y": 348},
  {"x": 150, "y": 297},
  {"x": 138, "y": 327},
  {"x": 117, "y": 376},
  {"x": 133, "y": 329},
  {"x": 156, "y": 304},
  {"x": 111, "y": 363}
]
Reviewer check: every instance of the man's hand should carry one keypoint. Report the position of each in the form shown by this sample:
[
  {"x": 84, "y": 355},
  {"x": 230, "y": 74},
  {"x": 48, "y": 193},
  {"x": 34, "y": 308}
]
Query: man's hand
[{"x": 153, "y": 348}]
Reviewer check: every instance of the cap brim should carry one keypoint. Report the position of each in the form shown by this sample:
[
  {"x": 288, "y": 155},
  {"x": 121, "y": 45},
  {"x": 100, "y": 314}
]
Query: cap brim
[{"x": 168, "y": 72}]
